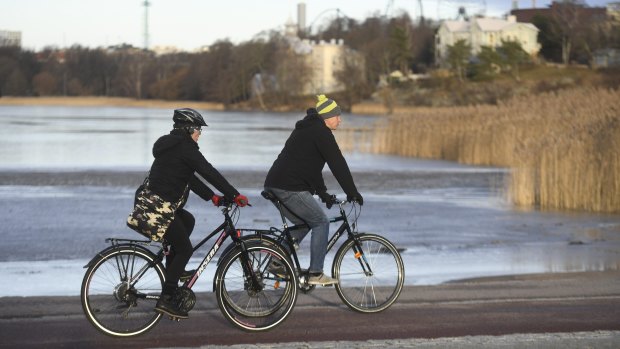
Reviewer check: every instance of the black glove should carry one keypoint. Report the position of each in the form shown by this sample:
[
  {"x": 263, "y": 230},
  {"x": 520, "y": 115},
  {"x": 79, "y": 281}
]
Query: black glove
[
  {"x": 357, "y": 197},
  {"x": 327, "y": 199}
]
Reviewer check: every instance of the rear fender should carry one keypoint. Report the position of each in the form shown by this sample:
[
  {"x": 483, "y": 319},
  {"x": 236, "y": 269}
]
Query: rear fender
[{"x": 106, "y": 251}]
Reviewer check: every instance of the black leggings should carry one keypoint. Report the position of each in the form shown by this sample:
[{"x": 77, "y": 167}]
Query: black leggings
[{"x": 181, "y": 248}]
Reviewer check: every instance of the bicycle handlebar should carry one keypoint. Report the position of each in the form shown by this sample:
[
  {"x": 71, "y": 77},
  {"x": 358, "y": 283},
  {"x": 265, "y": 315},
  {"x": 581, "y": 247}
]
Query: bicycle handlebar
[
  {"x": 336, "y": 201},
  {"x": 226, "y": 203}
]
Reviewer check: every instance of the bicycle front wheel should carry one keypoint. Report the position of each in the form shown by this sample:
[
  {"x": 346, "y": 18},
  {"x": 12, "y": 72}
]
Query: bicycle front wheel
[
  {"x": 120, "y": 290},
  {"x": 262, "y": 303},
  {"x": 370, "y": 273}
]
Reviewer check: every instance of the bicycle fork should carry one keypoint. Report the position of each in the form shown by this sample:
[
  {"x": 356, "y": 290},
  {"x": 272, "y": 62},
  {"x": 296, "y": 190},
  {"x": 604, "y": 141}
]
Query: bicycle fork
[
  {"x": 250, "y": 276},
  {"x": 361, "y": 257}
]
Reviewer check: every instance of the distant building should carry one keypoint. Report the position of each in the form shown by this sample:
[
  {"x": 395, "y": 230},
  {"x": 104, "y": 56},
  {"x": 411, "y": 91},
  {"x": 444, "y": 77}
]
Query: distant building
[
  {"x": 124, "y": 49},
  {"x": 605, "y": 58},
  {"x": 10, "y": 38},
  {"x": 480, "y": 32},
  {"x": 301, "y": 17},
  {"x": 613, "y": 11},
  {"x": 325, "y": 59},
  {"x": 202, "y": 49},
  {"x": 556, "y": 9},
  {"x": 165, "y": 50}
]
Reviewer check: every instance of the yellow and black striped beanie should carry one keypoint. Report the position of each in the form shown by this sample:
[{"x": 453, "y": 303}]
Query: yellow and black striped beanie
[{"x": 326, "y": 107}]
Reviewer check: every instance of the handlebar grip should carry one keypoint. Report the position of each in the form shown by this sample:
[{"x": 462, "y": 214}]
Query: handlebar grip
[{"x": 225, "y": 202}]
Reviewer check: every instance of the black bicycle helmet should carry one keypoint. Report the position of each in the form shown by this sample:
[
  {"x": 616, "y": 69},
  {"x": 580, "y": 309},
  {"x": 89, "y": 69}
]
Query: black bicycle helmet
[{"x": 187, "y": 117}]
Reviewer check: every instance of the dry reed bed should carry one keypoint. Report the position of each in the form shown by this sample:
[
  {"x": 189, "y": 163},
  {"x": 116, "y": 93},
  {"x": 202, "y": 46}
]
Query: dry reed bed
[{"x": 564, "y": 148}]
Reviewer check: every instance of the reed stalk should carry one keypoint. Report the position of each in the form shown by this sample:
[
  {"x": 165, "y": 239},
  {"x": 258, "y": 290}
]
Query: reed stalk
[{"x": 563, "y": 147}]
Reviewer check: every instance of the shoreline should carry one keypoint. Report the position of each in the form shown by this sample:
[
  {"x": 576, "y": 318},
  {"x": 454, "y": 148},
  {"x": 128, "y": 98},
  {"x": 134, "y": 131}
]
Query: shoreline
[
  {"x": 91, "y": 101},
  {"x": 367, "y": 108}
]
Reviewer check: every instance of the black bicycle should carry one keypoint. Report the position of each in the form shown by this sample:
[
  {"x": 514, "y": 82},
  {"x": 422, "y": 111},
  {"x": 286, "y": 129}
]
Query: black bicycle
[
  {"x": 368, "y": 267},
  {"x": 124, "y": 281}
]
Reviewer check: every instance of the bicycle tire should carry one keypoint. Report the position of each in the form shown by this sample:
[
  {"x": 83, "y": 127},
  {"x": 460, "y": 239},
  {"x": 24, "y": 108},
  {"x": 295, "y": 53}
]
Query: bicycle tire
[
  {"x": 363, "y": 291},
  {"x": 110, "y": 303},
  {"x": 245, "y": 309},
  {"x": 252, "y": 239},
  {"x": 255, "y": 310}
]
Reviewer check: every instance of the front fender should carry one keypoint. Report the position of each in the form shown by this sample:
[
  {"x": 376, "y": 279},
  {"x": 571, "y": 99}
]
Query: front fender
[{"x": 248, "y": 240}]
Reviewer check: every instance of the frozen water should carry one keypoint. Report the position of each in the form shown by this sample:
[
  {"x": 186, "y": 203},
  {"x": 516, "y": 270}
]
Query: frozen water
[{"x": 67, "y": 178}]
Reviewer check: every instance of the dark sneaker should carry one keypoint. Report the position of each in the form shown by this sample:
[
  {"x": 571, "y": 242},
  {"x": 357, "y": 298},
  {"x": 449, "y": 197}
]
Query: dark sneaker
[
  {"x": 321, "y": 279},
  {"x": 186, "y": 275},
  {"x": 276, "y": 268},
  {"x": 168, "y": 305}
]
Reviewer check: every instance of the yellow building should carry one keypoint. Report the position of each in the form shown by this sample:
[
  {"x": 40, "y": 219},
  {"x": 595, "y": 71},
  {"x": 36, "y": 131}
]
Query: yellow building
[{"x": 480, "y": 32}]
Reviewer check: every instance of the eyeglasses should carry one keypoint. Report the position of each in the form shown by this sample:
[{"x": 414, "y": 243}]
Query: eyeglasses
[{"x": 198, "y": 129}]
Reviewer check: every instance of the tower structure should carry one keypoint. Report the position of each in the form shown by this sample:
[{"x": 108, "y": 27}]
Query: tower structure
[
  {"x": 146, "y": 5},
  {"x": 301, "y": 17}
]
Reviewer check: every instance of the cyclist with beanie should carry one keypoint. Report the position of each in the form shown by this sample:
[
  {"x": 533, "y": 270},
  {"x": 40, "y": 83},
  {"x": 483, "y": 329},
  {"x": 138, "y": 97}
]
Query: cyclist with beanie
[
  {"x": 177, "y": 165},
  {"x": 296, "y": 175}
]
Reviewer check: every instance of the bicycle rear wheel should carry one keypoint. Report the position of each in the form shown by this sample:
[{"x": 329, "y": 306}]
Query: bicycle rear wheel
[
  {"x": 256, "y": 306},
  {"x": 370, "y": 273},
  {"x": 120, "y": 289}
]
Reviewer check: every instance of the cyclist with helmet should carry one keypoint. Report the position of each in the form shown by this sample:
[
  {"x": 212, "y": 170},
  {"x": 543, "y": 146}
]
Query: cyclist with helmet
[{"x": 177, "y": 165}]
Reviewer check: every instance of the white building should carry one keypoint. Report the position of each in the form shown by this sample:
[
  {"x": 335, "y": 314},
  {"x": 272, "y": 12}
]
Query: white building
[
  {"x": 324, "y": 58},
  {"x": 480, "y": 32},
  {"x": 161, "y": 50},
  {"x": 10, "y": 38}
]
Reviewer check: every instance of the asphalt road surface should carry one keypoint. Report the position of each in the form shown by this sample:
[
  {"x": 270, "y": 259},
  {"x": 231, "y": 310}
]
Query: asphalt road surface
[{"x": 547, "y": 303}]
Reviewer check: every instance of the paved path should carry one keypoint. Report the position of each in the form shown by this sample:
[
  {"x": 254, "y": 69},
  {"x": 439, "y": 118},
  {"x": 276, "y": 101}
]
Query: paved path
[{"x": 583, "y": 307}]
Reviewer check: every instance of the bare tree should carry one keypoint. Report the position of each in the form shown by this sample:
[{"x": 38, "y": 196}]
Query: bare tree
[
  {"x": 44, "y": 84},
  {"x": 567, "y": 15},
  {"x": 292, "y": 75}
]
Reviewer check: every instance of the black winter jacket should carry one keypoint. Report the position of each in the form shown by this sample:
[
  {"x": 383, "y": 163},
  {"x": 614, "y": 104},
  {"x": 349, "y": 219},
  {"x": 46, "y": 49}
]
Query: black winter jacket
[
  {"x": 177, "y": 161},
  {"x": 300, "y": 164}
]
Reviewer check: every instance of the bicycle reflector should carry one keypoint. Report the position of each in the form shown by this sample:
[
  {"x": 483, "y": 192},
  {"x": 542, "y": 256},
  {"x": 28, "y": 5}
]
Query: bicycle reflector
[{"x": 358, "y": 255}]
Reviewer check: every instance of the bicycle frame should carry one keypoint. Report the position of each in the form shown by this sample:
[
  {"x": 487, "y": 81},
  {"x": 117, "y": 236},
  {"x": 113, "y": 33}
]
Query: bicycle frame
[
  {"x": 284, "y": 235},
  {"x": 226, "y": 229}
]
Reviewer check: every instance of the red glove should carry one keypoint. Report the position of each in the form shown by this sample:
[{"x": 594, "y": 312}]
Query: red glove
[
  {"x": 241, "y": 200},
  {"x": 216, "y": 200}
]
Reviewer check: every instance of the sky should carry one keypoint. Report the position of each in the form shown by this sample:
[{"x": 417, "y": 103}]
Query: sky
[{"x": 190, "y": 24}]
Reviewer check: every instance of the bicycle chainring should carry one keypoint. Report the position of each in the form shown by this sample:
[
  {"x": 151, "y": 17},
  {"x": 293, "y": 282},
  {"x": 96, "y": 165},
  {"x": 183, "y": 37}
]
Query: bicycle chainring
[
  {"x": 304, "y": 287},
  {"x": 186, "y": 298}
]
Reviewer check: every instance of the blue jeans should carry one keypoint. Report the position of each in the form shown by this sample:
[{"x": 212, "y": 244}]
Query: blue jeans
[{"x": 309, "y": 209}]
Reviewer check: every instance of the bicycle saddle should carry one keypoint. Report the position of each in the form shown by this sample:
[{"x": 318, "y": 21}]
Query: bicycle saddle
[{"x": 269, "y": 196}]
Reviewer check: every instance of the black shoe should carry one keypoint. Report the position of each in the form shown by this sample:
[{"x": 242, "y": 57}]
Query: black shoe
[
  {"x": 168, "y": 305},
  {"x": 186, "y": 275}
]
